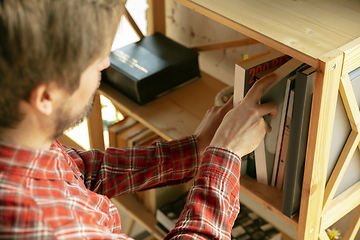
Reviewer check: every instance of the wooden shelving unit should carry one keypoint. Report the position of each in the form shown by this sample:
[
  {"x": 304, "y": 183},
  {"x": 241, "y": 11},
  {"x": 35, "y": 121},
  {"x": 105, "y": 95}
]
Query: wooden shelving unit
[{"x": 323, "y": 34}]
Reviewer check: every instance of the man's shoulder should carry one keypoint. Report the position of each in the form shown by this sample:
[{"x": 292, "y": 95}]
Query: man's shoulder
[{"x": 13, "y": 191}]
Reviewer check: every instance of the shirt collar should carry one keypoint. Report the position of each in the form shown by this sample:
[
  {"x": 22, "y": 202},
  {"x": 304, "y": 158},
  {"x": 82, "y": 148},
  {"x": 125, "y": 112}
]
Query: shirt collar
[{"x": 51, "y": 164}]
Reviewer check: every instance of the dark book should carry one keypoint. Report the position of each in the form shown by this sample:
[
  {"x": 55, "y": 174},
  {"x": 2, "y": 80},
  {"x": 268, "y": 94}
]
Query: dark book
[
  {"x": 248, "y": 165},
  {"x": 294, "y": 170},
  {"x": 146, "y": 69},
  {"x": 162, "y": 229}
]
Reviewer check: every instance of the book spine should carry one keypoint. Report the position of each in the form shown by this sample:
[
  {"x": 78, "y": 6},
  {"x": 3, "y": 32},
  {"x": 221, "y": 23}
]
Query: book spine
[
  {"x": 260, "y": 163},
  {"x": 281, "y": 132},
  {"x": 238, "y": 84},
  {"x": 285, "y": 144},
  {"x": 250, "y": 165},
  {"x": 304, "y": 85}
]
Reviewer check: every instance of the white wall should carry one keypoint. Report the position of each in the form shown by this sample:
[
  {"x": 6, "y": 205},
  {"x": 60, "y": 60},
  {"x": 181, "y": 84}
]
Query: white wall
[{"x": 193, "y": 29}]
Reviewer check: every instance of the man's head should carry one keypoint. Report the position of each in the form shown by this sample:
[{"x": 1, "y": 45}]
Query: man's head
[{"x": 50, "y": 43}]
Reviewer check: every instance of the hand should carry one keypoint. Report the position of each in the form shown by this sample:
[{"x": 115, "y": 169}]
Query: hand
[
  {"x": 210, "y": 123},
  {"x": 243, "y": 127}
]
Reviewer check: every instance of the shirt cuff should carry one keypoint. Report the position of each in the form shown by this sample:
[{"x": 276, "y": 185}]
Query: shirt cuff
[{"x": 221, "y": 163}]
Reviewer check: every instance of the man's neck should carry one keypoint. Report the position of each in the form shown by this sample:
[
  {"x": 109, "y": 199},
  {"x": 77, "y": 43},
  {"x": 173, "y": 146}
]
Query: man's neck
[{"x": 26, "y": 134}]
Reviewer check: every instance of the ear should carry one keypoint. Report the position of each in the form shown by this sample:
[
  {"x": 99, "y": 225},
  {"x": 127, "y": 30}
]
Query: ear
[
  {"x": 42, "y": 99},
  {"x": 105, "y": 63}
]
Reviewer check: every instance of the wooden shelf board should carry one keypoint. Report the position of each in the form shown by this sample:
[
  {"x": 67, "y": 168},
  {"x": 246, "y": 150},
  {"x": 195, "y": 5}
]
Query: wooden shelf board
[
  {"x": 268, "y": 196},
  {"x": 174, "y": 115},
  {"x": 305, "y": 30}
]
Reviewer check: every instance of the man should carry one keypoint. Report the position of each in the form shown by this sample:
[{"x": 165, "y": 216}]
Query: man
[{"x": 51, "y": 55}]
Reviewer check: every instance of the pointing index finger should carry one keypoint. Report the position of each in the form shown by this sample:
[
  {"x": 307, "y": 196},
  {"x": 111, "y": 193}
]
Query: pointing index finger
[
  {"x": 256, "y": 91},
  {"x": 282, "y": 72}
]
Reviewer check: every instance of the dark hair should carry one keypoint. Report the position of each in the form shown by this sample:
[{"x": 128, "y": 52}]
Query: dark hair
[{"x": 49, "y": 40}]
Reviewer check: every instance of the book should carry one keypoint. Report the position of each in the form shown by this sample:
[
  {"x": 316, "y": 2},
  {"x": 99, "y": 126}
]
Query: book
[
  {"x": 285, "y": 144},
  {"x": 161, "y": 229},
  {"x": 122, "y": 136},
  {"x": 137, "y": 138},
  {"x": 149, "y": 68},
  {"x": 246, "y": 71},
  {"x": 261, "y": 149},
  {"x": 249, "y": 168},
  {"x": 120, "y": 132},
  {"x": 134, "y": 135},
  {"x": 281, "y": 129},
  {"x": 146, "y": 140},
  {"x": 261, "y": 165},
  {"x": 248, "y": 165},
  {"x": 266, "y": 152},
  {"x": 115, "y": 128},
  {"x": 304, "y": 85}
]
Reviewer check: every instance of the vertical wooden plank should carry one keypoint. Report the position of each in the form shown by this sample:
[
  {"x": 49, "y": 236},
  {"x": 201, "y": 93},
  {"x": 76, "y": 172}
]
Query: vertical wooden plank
[
  {"x": 156, "y": 17},
  {"x": 95, "y": 126},
  {"x": 150, "y": 200},
  {"x": 319, "y": 142}
]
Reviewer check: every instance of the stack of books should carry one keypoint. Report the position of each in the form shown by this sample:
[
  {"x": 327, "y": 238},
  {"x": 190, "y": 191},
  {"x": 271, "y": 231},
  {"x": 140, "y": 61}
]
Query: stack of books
[{"x": 130, "y": 133}]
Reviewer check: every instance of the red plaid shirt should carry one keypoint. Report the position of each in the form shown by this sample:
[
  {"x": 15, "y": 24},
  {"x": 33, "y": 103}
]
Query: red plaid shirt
[{"x": 60, "y": 193}]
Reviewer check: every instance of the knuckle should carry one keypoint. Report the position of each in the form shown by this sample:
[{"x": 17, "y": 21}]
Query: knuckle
[{"x": 255, "y": 112}]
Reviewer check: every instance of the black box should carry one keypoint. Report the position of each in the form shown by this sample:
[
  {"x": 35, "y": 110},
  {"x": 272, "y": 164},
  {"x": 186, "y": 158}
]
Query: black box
[{"x": 150, "y": 67}]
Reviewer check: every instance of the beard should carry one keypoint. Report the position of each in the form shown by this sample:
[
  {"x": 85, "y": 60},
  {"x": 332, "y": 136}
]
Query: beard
[{"x": 64, "y": 122}]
